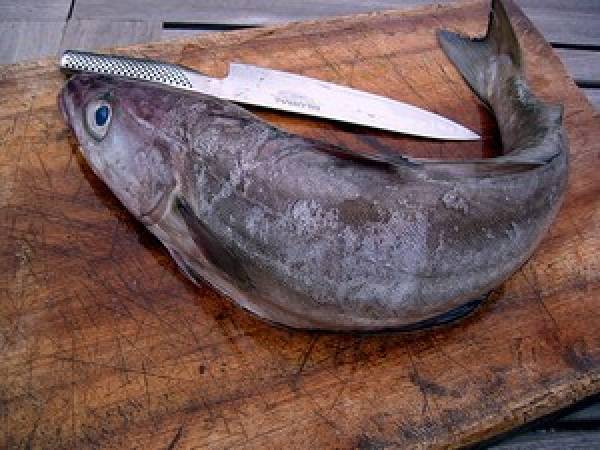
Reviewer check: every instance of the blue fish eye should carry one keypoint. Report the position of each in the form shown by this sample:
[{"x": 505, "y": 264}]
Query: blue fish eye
[
  {"x": 98, "y": 114},
  {"x": 101, "y": 116}
]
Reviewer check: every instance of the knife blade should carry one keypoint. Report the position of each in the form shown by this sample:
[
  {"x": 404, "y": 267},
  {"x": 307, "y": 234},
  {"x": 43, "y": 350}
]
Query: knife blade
[{"x": 275, "y": 89}]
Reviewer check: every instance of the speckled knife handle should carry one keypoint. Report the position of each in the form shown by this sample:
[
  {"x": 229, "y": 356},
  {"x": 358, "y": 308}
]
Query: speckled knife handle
[{"x": 136, "y": 68}]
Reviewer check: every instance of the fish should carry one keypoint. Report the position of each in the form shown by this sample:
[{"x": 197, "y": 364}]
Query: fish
[{"x": 310, "y": 235}]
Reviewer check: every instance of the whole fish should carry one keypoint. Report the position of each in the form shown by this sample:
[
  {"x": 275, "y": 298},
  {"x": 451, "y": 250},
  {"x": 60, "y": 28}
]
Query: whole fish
[{"x": 310, "y": 235}]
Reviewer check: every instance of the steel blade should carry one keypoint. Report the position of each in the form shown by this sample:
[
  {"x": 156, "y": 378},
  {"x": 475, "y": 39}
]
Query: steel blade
[{"x": 299, "y": 94}]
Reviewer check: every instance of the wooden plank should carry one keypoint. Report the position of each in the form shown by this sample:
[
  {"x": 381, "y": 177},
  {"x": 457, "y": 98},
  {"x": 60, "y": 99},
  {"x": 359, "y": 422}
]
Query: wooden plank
[
  {"x": 265, "y": 11},
  {"x": 583, "y": 65},
  {"x": 591, "y": 413},
  {"x": 26, "y": 40},
  {"x": 561, "y": 6},
  {"x": 248, "y": 12},
  {"x": 168, "y": 34},
  {"x": 84, "y": 34},
  {"x": 31, "y": 10},
  {"x": 562, "y": 440},
  {"x": 593, "y": 96},
  {"x": 95, "y": 34},
  {"x": 568, "y": 26},
  {"x": 105, "y": 343},
  {"x": 560, "y": 21}
]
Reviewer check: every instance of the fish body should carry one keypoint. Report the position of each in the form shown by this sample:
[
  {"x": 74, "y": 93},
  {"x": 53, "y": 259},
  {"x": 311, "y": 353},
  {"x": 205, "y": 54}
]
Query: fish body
[{"x": 310, "y": 235}]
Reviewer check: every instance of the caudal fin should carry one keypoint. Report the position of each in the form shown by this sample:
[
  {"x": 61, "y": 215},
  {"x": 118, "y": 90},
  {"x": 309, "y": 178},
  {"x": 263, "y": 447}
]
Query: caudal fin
[
  {"x": 479, "y": 59},
  {"x": 493, "y": 66}
]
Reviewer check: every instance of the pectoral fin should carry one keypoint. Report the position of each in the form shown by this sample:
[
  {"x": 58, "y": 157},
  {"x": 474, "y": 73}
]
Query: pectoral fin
[
  {"x": 211, "y": 246},
  {"x": 185, "y": 266}
]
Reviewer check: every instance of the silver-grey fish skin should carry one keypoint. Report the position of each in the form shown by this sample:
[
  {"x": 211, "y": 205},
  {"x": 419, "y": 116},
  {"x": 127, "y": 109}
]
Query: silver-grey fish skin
[{"x": 309, "y": 235}]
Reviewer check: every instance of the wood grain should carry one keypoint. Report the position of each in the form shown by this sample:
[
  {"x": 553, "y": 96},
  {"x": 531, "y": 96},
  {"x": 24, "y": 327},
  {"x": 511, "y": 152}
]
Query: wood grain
[
  {"x": 29, "y": 40},
  {"x": 240, "y": 12},
  {"x": 553, "y": 441},
  {"x": 584, "y": 65},
  {"x": 105, "y": 344},
  {"x": 560, "y": 6},
  {"x": 582, "y": 28},
  {"x": 593, "y": 96},
  {"x": 589, "y": 414},
  {"x": 84, "y": 34},
  {"x": 559, "y": 20},
  {"x": 32, "y": 10},
  {"x": 576, "y": 22}
]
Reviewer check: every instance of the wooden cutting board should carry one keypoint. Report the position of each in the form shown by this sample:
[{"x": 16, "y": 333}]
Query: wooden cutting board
[{"x": 105, "y": 344}]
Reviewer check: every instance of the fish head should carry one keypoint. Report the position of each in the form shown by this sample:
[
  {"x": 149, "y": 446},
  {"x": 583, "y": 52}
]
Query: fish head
[{"x": 118, "y": 125}]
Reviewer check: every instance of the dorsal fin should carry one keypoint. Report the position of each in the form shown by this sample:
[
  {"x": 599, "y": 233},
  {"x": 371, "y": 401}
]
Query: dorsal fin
[
  {"x": 484, "y": 168},
  {"x": 380, "y": 157},
  {"x": 434, "y": 168}
]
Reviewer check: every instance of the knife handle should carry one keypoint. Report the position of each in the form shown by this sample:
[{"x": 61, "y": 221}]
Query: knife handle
[{"x": 123, "y": 66}]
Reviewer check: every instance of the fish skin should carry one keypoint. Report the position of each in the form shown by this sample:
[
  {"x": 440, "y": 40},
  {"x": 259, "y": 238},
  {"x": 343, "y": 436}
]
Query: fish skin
[{"x": 310, "y": 235}]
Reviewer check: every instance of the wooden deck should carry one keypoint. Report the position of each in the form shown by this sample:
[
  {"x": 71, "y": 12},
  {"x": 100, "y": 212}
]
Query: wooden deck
[{"x": 32, "y": 29}]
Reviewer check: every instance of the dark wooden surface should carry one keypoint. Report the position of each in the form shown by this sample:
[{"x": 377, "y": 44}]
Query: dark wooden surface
[{"x": 104, "y": 344}]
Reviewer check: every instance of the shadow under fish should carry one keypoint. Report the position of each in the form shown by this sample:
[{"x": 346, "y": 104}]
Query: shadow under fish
[{"x": 315, "y": 236}]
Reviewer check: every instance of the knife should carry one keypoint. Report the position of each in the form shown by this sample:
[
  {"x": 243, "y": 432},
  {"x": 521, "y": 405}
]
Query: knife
[{"x": 279, "y": 90}]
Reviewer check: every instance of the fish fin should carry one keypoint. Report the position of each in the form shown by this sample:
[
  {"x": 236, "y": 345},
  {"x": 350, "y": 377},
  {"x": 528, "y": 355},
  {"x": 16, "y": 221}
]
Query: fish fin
[
  {"x": 438, "y": 168},
  {"x": 381, "y": 157},
  {"x": 493, "y": 66},
  {"x": 450, "y": 170},
  {"x": 474, "y": 57},
  {"x": 210, "y": 245},
  {"x": 185, "y": 266},
  {"x": 455, "y": 314}
]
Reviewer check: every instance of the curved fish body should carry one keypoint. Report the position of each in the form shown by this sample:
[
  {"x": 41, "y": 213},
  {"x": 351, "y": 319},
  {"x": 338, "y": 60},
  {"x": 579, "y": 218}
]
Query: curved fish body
[{"x": 310, "y": 235}]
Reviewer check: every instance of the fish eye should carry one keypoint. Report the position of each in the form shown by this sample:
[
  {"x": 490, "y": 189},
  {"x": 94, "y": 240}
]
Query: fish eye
[{"x": 98, "y": 115}]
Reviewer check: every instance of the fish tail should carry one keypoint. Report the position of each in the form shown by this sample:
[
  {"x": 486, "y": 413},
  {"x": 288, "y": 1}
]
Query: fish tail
[
  {"x": 493, "y": 66},
  {"x": 480, "y": 60}
]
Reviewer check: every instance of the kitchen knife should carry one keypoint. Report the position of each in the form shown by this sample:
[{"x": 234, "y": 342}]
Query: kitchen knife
[{"x": 279, "y": 90}]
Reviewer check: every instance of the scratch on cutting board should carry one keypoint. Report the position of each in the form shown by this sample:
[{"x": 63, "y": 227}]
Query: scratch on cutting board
[{"x": 176, "y": 438}]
